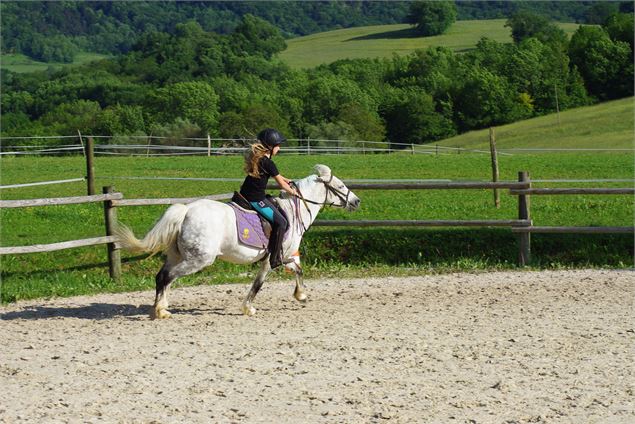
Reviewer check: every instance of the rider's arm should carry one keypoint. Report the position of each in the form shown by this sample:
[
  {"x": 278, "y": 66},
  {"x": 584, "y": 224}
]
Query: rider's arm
[{"x": 283, "y": 183}]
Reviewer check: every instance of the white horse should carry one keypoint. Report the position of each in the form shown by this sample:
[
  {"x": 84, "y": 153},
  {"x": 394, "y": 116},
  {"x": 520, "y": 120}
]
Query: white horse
[{"x": 194, "y": 235}]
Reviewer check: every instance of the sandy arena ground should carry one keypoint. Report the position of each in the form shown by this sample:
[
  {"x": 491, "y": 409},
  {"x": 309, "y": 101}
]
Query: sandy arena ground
[{"x": 508, "y": 347}]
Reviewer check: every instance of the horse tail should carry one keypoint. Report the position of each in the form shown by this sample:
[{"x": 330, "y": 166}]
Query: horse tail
[{"x": 159, "y": 238}]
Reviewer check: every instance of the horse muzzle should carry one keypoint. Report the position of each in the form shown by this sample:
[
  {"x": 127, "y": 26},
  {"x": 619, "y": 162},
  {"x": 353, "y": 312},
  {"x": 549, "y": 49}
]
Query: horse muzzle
[{"x": 353, "y": 204}]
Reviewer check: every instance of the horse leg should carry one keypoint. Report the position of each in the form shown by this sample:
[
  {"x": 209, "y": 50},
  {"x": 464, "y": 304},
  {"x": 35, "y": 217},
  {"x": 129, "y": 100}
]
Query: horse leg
[
  {"x": 293, "y": 264},
  {"x": 159, "y": 309},
  {"x": 163, "y": 284},
  {"x": 299, "y": 292},
  {"x": 166, "y": 277},
  {"x": 265, "y": 268}
]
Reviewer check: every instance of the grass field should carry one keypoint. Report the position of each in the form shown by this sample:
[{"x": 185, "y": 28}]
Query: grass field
[
  {"x": 22, "y": 63},
  {"x": 606, "y": 125},
  {"x": 382, "y": 41},
  {"x": 325, "y": 251}
]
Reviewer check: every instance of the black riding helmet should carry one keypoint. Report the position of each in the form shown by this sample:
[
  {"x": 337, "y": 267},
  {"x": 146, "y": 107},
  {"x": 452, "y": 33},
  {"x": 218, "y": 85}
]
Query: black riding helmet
[{"x": 270, "y": 137}]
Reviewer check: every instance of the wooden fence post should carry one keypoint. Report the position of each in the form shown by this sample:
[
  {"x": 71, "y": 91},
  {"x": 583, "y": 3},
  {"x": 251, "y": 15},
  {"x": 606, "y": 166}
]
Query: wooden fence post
[
  {"x": 492, "y": 148},
  {"x": 555, "y": 88},
  {"x": 524, "y": 253},
  {"x": 114, "y": 255},
  {"x": 148, "y": 147},
  {"x": 81, "y": 141},
  {"x": 209, "y": 145},
  {"x": 90, "y": 165}
]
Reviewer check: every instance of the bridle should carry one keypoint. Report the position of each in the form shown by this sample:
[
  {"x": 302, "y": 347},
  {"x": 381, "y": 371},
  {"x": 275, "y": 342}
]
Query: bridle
[
  {"x": 343, "y": 197},
  {"x": 329, "y": 189}
]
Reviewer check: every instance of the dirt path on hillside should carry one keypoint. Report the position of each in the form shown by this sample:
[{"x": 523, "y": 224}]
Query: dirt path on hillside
[{"x": 492, "y": 347}]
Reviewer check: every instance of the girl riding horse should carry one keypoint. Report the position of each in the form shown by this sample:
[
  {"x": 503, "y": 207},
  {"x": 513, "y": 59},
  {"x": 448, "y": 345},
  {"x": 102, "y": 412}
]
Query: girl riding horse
[{"x": 259, "y": 168}]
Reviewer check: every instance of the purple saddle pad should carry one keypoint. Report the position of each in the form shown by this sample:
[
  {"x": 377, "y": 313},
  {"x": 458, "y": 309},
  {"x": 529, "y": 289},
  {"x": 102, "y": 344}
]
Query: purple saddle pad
[{"x": 249, "y": 226}]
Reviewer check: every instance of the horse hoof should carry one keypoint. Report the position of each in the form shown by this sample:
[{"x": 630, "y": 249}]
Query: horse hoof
[
  {"x": 249, "y": 310},
  {"x": 302, "y": 298},
  {"x": 160, "y": 314}
]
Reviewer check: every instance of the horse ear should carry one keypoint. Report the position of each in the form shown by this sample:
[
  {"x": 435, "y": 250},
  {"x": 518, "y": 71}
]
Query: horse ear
[{"x": 323, "y": 172}]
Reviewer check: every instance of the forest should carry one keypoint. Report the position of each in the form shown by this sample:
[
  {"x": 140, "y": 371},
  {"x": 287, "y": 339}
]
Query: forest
[
  {"x": 190, "y": 82},
  {"x": 56, "y": 30}
]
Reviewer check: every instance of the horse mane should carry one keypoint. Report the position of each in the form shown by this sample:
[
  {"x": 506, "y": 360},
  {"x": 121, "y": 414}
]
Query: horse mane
[
  {"x": 302, "y": 183},
  {"x": 321, "y": 171}
]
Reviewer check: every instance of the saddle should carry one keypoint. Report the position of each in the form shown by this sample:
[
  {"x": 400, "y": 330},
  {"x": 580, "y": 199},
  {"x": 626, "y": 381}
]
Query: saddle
[{"x": 252, "y": 228}]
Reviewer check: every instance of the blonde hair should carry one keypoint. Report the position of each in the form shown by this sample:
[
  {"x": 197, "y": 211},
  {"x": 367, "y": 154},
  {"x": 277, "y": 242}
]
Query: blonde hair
[{"x": 252, "y": 158}]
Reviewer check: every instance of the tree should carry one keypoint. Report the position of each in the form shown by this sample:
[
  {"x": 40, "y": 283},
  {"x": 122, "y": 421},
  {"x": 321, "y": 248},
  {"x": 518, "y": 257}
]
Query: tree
[
  {"x": 259, "y": 116},
  {"x": 251, "y": 120},
  {"x": 605, "y": 65},
  {"x": 328, "y": 93},
  {"x": 486, "y": 99},
  {"x": 14, "y": 122},
  {"x": 67, "y": 118},
  {"x": 527, "y": 24},
  {"x": 433, "y": 70},
  {"x": 255, "y": 36},
  {"x": 344, "y": 133},
  {"x": 231, "y": 125},
  {"x": 534, "y": 70},
  {"x": 538, "y": 71},
  {"x": 234, "y": 96},
  {"x": 176, "y": 131},
  {"x": 432, "y": 17},
  {"x": 56, "y": 48},
  {"x": 491, "y": 55},
  {"x": 16, "y": 101},
  {"x": 367, "y": 125},
  {"x": 619, "y": 26},
  {"x": 194, "y": 101},
  {"x": 599, "y": 12},
  {"x": 411, "y": 118},
  {"x": 122, "y": 120}
]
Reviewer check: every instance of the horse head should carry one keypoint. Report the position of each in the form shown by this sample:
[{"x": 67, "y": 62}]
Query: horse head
[{"x": 337, "y": 194}]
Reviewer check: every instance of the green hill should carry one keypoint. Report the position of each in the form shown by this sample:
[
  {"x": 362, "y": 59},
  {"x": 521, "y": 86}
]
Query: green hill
[
  {"x": 606, "y": 125},
  {"x": 385, "y": 40},
  {"x": 22, "y": 63}
]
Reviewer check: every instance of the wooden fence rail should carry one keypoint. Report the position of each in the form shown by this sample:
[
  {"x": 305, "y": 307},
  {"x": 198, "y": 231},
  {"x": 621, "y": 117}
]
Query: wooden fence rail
[
  {"x": 435, "y": 186},
  {"x": 574, "y": 230},
  {"x": 559, "y": 191},
  {"x": 39, "y": 248},
  {"x": 430, "y": 223},
  {"x": 59, "y": 200},
  {"x": 523, "y": 225},
  {"x": 168, "y": 201},
  {"x": 72, "y": 180}
]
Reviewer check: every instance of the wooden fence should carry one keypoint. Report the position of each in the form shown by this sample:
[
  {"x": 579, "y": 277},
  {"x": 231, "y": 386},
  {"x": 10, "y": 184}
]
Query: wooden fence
[{"x": 522, "y": 225}]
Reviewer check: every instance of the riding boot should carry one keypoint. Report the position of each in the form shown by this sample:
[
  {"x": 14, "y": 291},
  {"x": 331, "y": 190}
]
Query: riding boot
[{"x": 275, "y": 246}]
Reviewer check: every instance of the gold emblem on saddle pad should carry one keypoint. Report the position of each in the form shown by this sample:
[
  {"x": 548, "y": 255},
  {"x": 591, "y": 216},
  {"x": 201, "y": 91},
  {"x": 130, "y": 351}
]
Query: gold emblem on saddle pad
[{"x": 246, "y": 233}]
